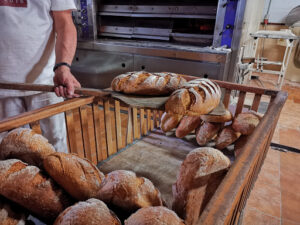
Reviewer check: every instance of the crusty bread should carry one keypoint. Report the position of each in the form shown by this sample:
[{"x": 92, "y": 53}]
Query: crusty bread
[
  {"x": 144, "y": 83},
  {"x": 198, "y": 177},
  {"x": 125, "y": 190},
  {"x": 187, "y": 125},
  {"x": 246, "y": 122},
  {"x": 26, "y": 145},
  {"x": 226, "y": 137},
  {"x": 28, "y": 187},
  {"x": 70, "y": 171},
  {"x": 90, "y": 212},
  {"x": 217, "y": 119},
  {"x": 11, "y": 214},
  {"x": 158, "y": 215},
  {"x": 206, "y": 132},
  {"x": 169, "y": 121},
  {"x": 195, "y": 98}
]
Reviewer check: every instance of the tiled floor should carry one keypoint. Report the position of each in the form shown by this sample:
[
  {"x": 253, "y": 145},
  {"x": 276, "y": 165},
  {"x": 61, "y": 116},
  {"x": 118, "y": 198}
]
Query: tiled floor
[{"x": 275, "y": 198}]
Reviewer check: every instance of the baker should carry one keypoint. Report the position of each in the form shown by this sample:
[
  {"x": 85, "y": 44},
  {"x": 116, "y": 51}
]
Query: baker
[{"x": 37, "y": 45}]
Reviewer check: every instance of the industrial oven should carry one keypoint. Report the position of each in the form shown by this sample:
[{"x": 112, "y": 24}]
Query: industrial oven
[{"x": 194, "y": 37}]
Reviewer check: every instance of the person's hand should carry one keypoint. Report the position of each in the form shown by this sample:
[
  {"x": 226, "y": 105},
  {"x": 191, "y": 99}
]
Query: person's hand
[{"x": 65, "y": 83}]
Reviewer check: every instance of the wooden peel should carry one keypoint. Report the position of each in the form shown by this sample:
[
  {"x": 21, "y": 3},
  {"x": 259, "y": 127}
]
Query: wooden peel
[{"x": 50, "y": 88}]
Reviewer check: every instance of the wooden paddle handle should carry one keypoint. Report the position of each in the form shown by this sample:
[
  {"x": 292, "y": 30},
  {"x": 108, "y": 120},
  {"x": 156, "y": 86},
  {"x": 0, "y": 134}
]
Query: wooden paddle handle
[{"x": 50, "y": 88}]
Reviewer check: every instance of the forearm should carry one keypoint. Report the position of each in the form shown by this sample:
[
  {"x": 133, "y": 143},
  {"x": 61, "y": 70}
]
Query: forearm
[{"x": 66, "y": 41}]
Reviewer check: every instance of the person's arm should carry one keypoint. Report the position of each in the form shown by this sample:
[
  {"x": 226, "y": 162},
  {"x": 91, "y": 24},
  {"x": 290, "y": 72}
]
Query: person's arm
[{"x": 66, "y": 41}]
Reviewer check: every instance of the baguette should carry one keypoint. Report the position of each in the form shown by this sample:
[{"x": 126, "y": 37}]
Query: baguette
[
  {"x": 26, "y": 145},
  {"x": 218, "y": 119},
  {"x": 144, "y": 83},
  {"x": 70, "y": 171},
  {"x": 90, "y": 212},
  {"x": 195, "y": 98},
  {"x": 158, "y": 215},
  {"x": 28, "y": 187},
  {"x": 226, "y": 137},
  {"x": 246, "y": 122},
  {"x": 169, "y": 121},
  {"x": 125, "y": 190},
  {"x": 199, "y": 176},
  {"x": 207, "y": 132},
  {"x": 187, "y": 125}
]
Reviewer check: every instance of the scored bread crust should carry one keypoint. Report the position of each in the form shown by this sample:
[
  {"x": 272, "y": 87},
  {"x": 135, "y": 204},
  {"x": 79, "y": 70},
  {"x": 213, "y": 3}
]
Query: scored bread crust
[
  {"x": 69, "y": 171},
  {"x": 158, "y": 215},
  {"x": 26, "y": 145},
  {"x": 30, "y": 188},
  {"x": 92, "y": 211},
  {"x": 169, "y": 121},
  {"x": 122, "y": 188},
  {"x": 196, "y": 97},
  {"x": 145, "y": 83}
]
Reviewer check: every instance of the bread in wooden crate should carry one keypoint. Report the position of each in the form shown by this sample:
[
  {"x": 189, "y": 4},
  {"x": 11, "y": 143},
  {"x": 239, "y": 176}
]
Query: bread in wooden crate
[
  {"x": 145, "y": 83},
  {"x": 169, "y": 121},
  {"x": 79, "y": 177},
  {"x": 199, "y": 176},
  {"x": 92, "y": 211},
  {"x": 246, "y": 122},
  {"x": 195, "y": 98},
  {"x": 218, "y": 118},
  {"x": 158, "y": 215},
  {"x": 187, "y": 125},
  {"x": 26, "y": 145},
  {"x": 206, "y": 132},
  {"x": 30, "y": 188},
  {"x": 226, "y": 137},
  {"x": 122, "y": 188}
]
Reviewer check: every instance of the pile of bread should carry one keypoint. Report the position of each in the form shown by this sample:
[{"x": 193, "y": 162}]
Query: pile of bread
[
  {"x": 188, "y": 106},
  {"x": 64, "y": 189}
]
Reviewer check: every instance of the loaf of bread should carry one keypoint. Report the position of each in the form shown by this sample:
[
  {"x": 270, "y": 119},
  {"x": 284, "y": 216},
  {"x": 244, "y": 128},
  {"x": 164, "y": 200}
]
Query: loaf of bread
[
  {"x": 26, "y": 145},
  {"x": 206, "y": 132},
  {"x": 125, "y": 190},
  {"x": 144, "y": 83},
  {"x": 69, "y": 171},
  {"x": 226, "y": 137},
  {"x": 11, "y": 214},
  {"x": 187, "y": 125},
  {"x": 90, "y": 212},
  {"x": 158, "y": 215},
  {"x": 199, "y": 176},
  {"x": 30, "y": 188},
  {"x": 246, "y": 122},
  {"x": 169, "y": 121},
  {"x": 195, "y": 98},
  {"x": 218, "y": 118}
]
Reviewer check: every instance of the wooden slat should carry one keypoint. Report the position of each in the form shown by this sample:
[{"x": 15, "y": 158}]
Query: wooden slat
[
  {"x": 101, "y": 152},
  {"x": 129, "y": 137},
  {"x": 240, "y": 103},
  {"x": 149, "y": 120},
  {"x": 256, "y": 102},
  {"x": 226, "y": 99},
  {"x": 75, "y": 146},
  {"x": 108, "y": 130},
  {"x": 118, "y": 125},
  {"x": 143, "y": 122},
  {"x": 35, "y": 126},
  {"x": 45, "y": 112},
  {"x": 90, "y": 154},
  {"x": 154, "y": 118},
  {"x": 135, "y": 124}
]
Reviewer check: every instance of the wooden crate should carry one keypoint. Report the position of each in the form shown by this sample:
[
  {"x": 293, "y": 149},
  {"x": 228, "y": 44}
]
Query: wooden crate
[{"x": 99, "y": 127}]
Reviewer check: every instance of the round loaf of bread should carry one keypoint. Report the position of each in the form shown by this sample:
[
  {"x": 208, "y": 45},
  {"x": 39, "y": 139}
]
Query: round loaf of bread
[
  {"x": 226, "y": 137},
  {"x": 206, "y": 132},
  {"x": 144, "y": 83},
  {"x": 217, "y": 119},
  {"x": 30, "y": 188},
  {"x": 90, "y": 212},
  {"x": 187, "y": 125},
  {"x": 246, "y": 122},
  {"x": 195, "y": 98},
  {"x": 125, "y": 190},
  {"x": 158, "y": 215},
  {"x": 26, "y": 145},
  {"x": 79, "y": 177},
  {"x": 192, "y": 189},
  {"x": 169, "y": 121},
  {"x": 11, "y": 214}
]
